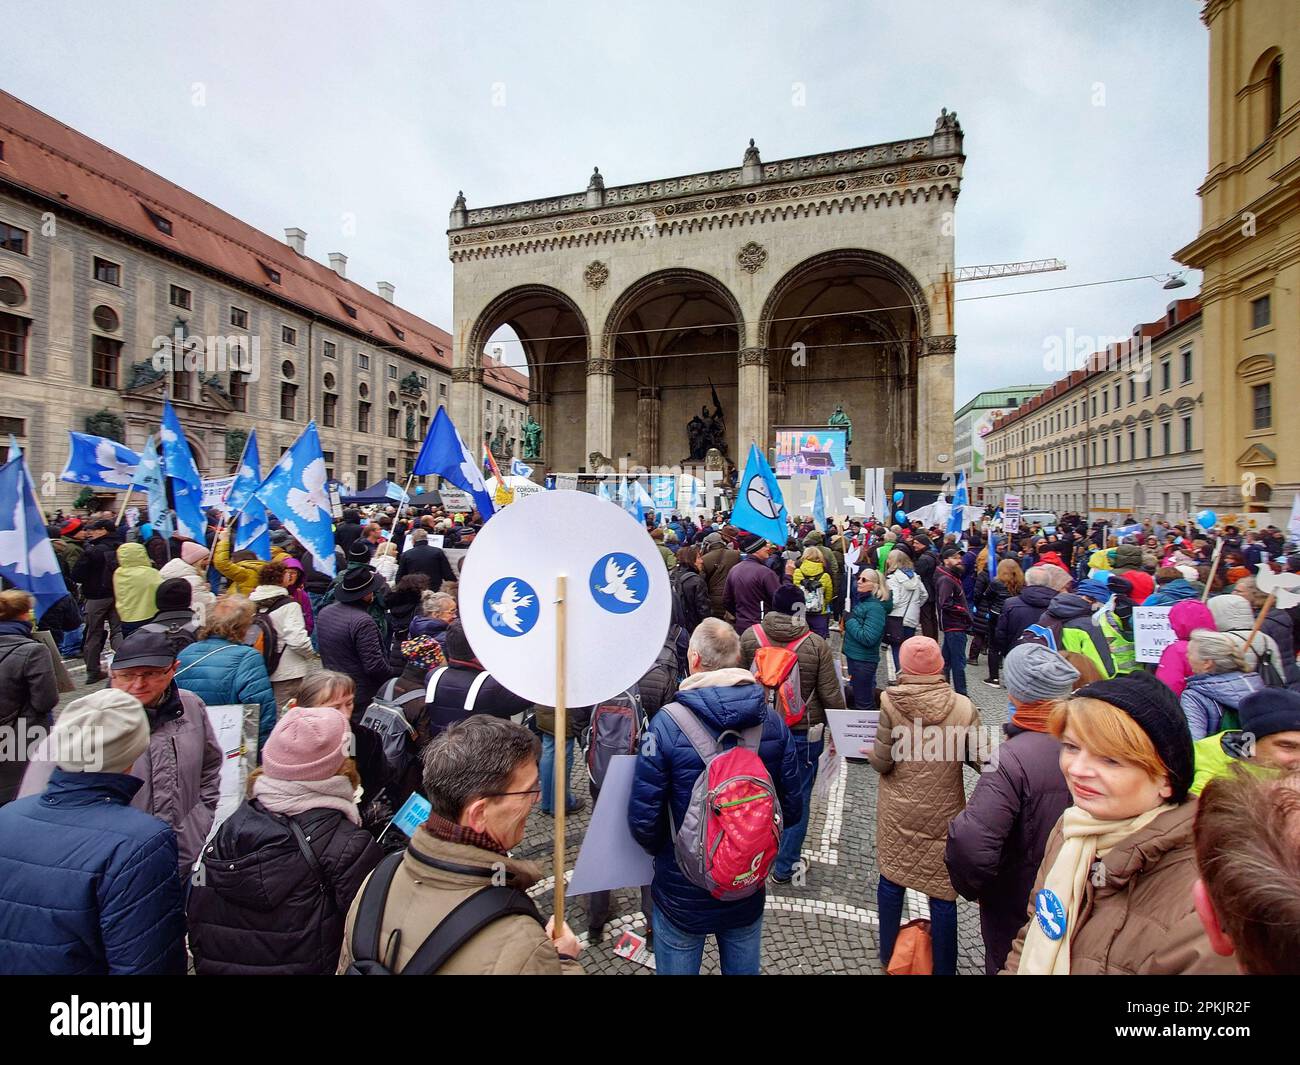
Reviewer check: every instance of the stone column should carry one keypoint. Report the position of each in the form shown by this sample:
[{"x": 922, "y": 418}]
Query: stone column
[
  {"x": 467, "y": 404},
  {"x": 752, "y": 416},
  {"x": 600, "y": 409},
  {"x": 934, "y": 392},
  {"x": 647, "y": 428},
  {"x": 775, "y": 403},
  {"x": 539, "y": 407}
]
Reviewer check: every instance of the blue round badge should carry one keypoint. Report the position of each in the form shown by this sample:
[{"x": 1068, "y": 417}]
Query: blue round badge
[
  {"x": 510, "y": 606},
  {"x": 619, "y": 583},
  {"x": 1050, "y": 914}
]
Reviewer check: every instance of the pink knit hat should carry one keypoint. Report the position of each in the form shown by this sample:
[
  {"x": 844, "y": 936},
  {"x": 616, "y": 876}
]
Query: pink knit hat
[
  {"x": 192, "y": 552},
  {"x": 309, "y": 743},
  {"x": 920, "y": 656}
]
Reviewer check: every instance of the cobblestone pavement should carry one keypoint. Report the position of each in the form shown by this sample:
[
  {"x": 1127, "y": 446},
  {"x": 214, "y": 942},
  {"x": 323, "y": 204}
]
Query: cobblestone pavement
[{"x": 829, "y": 925}]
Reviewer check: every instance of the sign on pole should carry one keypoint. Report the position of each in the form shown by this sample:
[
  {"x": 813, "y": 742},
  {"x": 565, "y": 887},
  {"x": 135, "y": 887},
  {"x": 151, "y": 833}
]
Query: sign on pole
[
  {"x": 456, "y": 500},
  {"x": 1011, "y": 514},
  {"x": 1152, "y": 632}
]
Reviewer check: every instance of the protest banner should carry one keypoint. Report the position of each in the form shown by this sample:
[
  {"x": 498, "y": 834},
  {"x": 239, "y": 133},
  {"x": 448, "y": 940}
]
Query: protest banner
[
  {"x": 852, "y": 730},
  {"x": 235, "y": 726},
  {"x": 1011, "y": 514},
  {"x": 456, "y": 500},
  {"x": 214, "y": 491},
  {"x": 1152, "y": 632}
]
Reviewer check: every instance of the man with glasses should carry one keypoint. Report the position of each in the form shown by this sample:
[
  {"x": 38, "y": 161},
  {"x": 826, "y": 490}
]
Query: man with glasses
[
  {"x": 181, "y": 768},
  {"x": 482, "y": 781}
]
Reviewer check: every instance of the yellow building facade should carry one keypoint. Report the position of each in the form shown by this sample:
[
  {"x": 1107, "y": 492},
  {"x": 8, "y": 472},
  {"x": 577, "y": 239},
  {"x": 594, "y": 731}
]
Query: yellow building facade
[{"x": 1249, "y": 250}]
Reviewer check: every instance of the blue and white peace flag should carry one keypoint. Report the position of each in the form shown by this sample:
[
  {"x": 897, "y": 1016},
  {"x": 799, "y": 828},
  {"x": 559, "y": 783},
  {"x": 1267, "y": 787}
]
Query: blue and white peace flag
[
  {"x": 15, "y": 448},
  {"x": 187, "y": 485},
  {"x": 27, "y": 558},
  {"x": 98, "y": 461},
  {"x": 819, "y": 507},
  {"x": 444, "y": 453},
  {"x": 150, "y": 478},
  {"x": 960, "y": 501},
  {"x": 636, "y": 500},
  {"x": 1126, "y": 530},
  {"x": 993, "y": 555},
  {"x": 294, "y": 491},
  {"x": 602, "y": 490},
  {"x": 760, "y": 508},
  {"x": 518, "y": 469},
  {"x": 252, "y": 532}
]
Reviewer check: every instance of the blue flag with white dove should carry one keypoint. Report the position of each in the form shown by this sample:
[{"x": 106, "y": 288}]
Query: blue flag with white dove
[
  {"x": 636, "y": 500},
  {"x": 150, "y": 478},
  {"x": 187, "y": 485},
  {"x": 252, "y": 532},
  {"x": 519, "y": 469},
  {"x": 27, "y": 558},
  {"x": 444, "y": 453},
  {"x": 294, "y": 491},
  {"x": 960, "y": 500},
  {"x": 759, "y": 507},
  {"x": 819, "y": 507},
  {"x": 101, "y": 462}
]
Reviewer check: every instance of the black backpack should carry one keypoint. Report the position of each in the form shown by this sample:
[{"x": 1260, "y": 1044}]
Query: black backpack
[
  {"x": 261, "y": 634},
  {"x": 481, "y": 909}
]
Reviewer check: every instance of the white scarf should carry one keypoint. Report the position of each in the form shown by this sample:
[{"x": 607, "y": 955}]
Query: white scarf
[
  {"x": 298, "y": 796},
  {"x": 1086, "y": 839}
]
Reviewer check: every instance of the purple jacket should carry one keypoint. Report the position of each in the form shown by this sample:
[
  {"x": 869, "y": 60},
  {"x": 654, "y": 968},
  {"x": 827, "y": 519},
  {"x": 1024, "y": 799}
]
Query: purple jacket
[
  {"x": 748, "y": 592},
  {"x": 996, "y": 844}
]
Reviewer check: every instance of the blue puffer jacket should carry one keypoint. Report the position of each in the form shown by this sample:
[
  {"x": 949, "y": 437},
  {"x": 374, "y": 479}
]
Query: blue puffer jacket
[
  {"x": 220, "y": 672},
  {"x": 1174, "y": 592},
  {"x": 724, "y": 699},
  {"x": 88, "y": 885}
]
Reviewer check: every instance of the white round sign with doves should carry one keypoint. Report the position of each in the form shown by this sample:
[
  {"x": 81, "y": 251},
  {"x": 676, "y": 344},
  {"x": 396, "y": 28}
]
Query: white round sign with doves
[{"x": 618, "y": 598}]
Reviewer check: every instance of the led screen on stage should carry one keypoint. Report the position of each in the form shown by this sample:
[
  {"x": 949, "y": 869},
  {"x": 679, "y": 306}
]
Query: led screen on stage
[{"x": 815, "y": 449}]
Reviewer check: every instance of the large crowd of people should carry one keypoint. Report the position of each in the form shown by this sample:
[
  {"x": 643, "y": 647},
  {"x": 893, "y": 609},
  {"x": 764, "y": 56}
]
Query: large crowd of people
[{"x": 1133, "y": 817}]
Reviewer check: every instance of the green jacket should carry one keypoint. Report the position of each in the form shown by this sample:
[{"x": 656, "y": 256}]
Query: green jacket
[
  {"x": 1122, "y": 650},
  {"x": 865, "y": 628},
  {"x": 1216, "y": 755}
]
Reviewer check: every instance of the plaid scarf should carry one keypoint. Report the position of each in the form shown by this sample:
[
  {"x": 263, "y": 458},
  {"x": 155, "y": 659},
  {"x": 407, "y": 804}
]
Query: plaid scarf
[{"x": 450, "y": 832}]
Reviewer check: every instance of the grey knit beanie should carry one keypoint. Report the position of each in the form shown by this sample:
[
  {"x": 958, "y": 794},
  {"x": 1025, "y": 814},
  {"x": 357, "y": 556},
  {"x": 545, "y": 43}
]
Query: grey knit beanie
[{"x": 1034, "y": 673}]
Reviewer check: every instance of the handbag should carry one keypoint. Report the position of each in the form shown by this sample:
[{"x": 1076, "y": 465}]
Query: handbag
[{"x": 913, "y": 951}]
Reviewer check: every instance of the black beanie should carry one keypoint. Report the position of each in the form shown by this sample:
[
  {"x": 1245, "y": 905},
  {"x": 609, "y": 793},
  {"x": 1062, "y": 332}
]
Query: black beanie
[
  {"x": 1270, "y": 711},
  {"x": 173, "y": 594},
  {"x": 1157, "y": 712}
]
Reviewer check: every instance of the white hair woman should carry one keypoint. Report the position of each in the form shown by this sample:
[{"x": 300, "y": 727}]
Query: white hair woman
[{"x": 1222, "y": 676}]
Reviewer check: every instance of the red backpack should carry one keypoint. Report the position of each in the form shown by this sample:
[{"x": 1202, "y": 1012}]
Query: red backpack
[
  {"x": 731, "y": 831},
  {"x": 777, "y": 669}
]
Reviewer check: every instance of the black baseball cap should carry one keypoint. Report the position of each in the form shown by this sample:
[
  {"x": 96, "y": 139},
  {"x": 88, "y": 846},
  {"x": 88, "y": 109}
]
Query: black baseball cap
[{"x": 145, "y": 648}]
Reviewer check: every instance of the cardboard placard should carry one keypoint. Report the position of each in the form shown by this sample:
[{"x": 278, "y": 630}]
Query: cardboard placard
[{"x": 1152, "y": 632}]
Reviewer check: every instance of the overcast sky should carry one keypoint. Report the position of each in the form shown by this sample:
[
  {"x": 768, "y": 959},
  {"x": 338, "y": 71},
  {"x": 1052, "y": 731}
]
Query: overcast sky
[{"x": 1085, "y": 122}]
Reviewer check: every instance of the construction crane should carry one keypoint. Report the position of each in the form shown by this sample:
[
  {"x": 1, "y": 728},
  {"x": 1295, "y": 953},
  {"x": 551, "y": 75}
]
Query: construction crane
[{"x": 996, "y": 270}]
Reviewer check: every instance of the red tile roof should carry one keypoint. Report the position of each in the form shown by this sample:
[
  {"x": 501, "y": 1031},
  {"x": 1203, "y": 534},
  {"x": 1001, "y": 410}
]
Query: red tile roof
[
  {"x": 54, "y": 161},
  {"x": 1102, "y": 361}
]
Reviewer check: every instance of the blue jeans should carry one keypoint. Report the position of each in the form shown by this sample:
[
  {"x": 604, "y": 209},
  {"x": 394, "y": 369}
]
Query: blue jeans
[
  {"x": 792, "y": 838},
  {"x": 943, "y": 926},
  {"x": 679, "y": 953},
  {"x": 863, "y": 676},
  {"x": 954, "y": 660},
  {"x": 546, "y": 769}
]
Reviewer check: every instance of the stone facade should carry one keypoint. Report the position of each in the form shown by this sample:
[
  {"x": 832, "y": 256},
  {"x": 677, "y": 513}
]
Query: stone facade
[
  {"x": 331, "y": 371},
  {"x": 1125, "y": 435},
  {"x": 782, "y": 288},
  {"x": 1249, "y": 250}
]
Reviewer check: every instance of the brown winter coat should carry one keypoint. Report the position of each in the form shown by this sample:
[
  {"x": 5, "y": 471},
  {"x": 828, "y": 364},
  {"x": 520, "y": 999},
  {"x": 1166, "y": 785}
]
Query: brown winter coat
[
  {"x": 434, "y": 878},
  {"x": 920, "y": 794},
  {"x": 818, "y": 684},
  {"x": 715, "y": 566},
  {"x": 1143, "y": 921}
]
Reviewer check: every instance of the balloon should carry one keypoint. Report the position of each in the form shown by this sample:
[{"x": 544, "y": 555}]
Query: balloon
[
  {"x": 1207, "y": 519},
  {"x": 419, "y": 489},
  {"x": 900, "y": 517},
  {"x": 898, "y": 497}
]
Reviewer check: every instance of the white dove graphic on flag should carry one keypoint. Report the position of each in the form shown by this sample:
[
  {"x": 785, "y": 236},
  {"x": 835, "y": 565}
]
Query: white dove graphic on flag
[
  {"x": 114, "y": 470},
  {"x": 310, "y": 503}
]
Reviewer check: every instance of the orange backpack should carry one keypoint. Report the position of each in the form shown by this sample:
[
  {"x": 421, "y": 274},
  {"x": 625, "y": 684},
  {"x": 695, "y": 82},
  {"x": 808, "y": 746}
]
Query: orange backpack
[{"x": 777, "y": 669}]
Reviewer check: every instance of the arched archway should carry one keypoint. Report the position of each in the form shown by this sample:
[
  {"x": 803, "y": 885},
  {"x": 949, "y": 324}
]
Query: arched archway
[
  {"x": 555, "y": 338},
  {"x": 846, "y": 328},
  {"x": 670, "y": 342}
]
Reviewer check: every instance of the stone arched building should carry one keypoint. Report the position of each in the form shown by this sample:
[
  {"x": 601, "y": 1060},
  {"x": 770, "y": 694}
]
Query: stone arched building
[{"x": 787, "y": 287}]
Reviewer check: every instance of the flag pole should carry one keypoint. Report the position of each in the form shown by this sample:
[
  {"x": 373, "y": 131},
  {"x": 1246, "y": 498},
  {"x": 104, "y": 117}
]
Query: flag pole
[
  {"x": 121, "y": 511},
  {"x": 1214, "y": 568},
  {"x": 401, "y": 503},
  {"x": 559, "y": 799}
]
